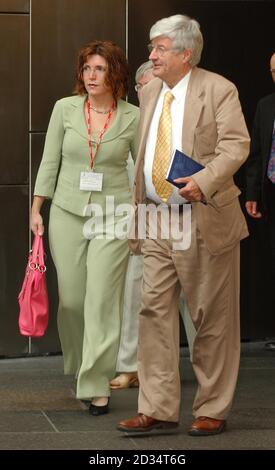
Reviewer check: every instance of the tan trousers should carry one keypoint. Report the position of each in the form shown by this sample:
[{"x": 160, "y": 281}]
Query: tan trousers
[{"x": 211, "y": 290}]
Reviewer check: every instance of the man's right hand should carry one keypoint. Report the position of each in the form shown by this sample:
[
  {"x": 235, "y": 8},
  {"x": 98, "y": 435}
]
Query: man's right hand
[
  {"x": 37, "y": 226},
  {"x": 251, "y": 208}
]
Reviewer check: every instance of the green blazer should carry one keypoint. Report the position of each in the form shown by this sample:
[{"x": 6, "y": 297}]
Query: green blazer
[{"x": 66, "y": 154}]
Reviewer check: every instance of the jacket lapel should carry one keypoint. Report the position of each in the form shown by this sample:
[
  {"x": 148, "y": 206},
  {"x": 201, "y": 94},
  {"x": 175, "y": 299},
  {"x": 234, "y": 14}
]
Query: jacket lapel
[
  {"x": 123, "y": 119},
  {"x": 151, "y": 100},
  {"x": 267, "y": 126},
  {"x": 192, "y": 112},
  {"x": 78, "y": 122},
  {"x": 149, "y": 104},
  {"x": 270, "y": 116}
]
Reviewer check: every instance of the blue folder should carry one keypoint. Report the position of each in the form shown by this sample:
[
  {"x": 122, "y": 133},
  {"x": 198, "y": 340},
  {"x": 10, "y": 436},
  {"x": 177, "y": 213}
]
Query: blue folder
[{"x": 180, "y": 166}]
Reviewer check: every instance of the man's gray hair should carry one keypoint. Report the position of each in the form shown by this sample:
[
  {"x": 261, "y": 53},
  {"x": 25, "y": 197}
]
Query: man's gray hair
[
  {"x": 184, "y": 32},
  {"x": 144, "y": 68}
]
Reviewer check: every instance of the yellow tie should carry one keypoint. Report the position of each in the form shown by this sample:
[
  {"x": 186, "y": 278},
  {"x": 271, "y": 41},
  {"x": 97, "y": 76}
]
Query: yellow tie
[{"x": 163, "y": 150}]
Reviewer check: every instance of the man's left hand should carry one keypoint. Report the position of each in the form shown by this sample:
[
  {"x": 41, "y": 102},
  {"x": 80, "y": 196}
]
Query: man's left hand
[{"x": 191, "y": 190}]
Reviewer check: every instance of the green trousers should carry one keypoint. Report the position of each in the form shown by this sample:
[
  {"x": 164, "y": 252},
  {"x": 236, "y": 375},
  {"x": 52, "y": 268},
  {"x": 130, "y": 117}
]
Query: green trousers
[{"x": 91, "y": 278}]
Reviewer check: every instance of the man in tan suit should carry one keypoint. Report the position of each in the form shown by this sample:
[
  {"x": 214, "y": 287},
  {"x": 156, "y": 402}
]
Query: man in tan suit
[{"x": 207, "y": 124}]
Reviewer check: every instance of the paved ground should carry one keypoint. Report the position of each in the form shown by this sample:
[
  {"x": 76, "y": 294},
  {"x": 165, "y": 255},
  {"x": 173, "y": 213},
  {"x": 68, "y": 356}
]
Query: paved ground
[{"x": 38, "y": 409}]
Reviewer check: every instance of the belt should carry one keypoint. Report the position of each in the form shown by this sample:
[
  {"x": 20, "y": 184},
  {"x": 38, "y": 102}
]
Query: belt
[{"x": 180, "y": 206}]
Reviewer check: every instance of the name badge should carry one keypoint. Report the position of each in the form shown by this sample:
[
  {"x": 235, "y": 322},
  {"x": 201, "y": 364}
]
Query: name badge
[{"x": 91, "y": 181}]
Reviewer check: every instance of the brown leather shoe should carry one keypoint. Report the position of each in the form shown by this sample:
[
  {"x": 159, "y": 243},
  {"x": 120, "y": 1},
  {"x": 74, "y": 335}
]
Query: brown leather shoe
[
  {"x": 143, "y": 423},
  {"x": 204, "y": 426}
]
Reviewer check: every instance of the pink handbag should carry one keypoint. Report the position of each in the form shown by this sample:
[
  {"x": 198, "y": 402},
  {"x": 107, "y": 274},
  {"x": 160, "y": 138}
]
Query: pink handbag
[{"x": 33, "y": 298}]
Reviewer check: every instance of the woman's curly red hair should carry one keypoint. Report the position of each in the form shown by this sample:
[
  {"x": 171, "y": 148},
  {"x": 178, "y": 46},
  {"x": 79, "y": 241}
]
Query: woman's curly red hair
[{"x": 118, "y": 74}]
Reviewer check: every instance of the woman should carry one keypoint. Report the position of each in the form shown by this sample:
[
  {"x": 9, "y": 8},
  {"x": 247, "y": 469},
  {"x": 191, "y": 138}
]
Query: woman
[{"x": 83, "y": 171}]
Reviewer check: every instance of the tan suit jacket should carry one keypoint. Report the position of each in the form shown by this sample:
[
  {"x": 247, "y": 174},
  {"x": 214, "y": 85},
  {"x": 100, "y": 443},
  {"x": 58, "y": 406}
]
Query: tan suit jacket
[{"x": 214, "y": 133}]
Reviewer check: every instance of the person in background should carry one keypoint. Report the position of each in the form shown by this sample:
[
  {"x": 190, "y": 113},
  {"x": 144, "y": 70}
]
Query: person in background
[
  {"x": 197, "y": 112},
  {"x": 144, "y": 75},
  {"x": 84, "y": 163},
  {"x": 127, "y": 356},
  {"x": 260, "y": 171}
]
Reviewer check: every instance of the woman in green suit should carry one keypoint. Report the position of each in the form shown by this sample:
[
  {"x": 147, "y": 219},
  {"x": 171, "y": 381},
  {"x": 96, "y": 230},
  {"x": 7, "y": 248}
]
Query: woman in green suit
[{"x": 83, "y": 171}]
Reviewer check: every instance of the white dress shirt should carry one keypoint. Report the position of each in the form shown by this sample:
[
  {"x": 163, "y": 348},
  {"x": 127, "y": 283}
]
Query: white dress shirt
[{"x": 177, "y": 112}]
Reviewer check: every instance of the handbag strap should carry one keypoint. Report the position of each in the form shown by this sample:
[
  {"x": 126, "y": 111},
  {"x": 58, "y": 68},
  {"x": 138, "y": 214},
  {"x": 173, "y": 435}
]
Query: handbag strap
[
  {"x": 41, "y": 254},
  {"x": 36, "y": 259}
]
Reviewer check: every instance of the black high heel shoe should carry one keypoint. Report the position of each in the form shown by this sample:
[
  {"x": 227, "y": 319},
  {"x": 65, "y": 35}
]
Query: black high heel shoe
[{"x": 99, "y": 410}]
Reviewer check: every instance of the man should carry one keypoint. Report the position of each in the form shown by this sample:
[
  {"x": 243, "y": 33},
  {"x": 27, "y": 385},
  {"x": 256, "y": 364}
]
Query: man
[
  {"x": 260, "y": 172},
  {"x": 207, "y": 124},
  {"x": 127, "y": 355},
  {"x": 144, "y": 75}
]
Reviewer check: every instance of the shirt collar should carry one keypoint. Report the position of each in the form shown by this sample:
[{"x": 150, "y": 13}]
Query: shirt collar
[{"x": 179, "y": 88}]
